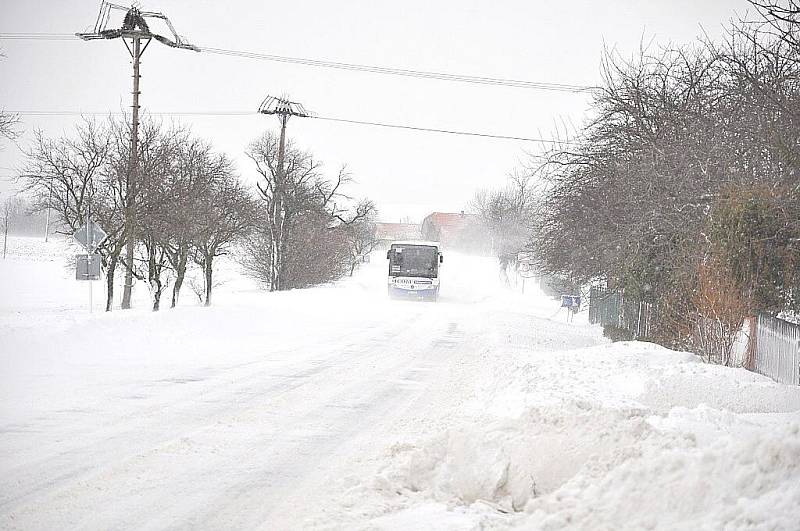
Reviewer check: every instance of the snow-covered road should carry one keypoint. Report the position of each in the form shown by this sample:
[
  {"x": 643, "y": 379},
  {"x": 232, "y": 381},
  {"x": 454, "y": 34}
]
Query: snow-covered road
[
  {"x": 336, "y": 408},
  {"x": 229, "y": 416}
]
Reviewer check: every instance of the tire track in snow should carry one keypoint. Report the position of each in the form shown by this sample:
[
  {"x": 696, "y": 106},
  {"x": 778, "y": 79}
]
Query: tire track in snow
[{"x": 116, "y": 452}]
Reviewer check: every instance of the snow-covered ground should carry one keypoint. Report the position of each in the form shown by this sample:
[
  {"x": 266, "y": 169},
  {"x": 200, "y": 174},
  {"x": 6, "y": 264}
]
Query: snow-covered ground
[{"x": 335, "y": 408}]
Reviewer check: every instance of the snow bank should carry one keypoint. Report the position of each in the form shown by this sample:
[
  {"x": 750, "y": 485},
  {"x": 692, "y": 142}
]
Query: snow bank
[
  {"x": 616, "y": 436},
  {"x": 509, "y": 462},
  {"x": 737, "y": 482}
]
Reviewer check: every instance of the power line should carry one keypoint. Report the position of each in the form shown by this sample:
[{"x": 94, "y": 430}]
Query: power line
[
  {"x": 325, "y": 118},
  {"x": 445, "y": 131},
  {"x": 374, "y": 69},
  {"x": 443, "y": 76},
  {"x": 118, "y": 113},
  {"x": 38, "y": 36}
]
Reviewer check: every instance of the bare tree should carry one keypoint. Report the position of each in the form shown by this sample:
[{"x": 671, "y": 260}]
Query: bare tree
[
  {"x": 11, "y": 207},
  {"x": 507, "y": 214},
  {"x": 309, "y": 221},
  {"x": 225, "y": 216},
  {"x": 110, "y": 209},
  {"x": 162, "y": 208},
  {"x": 285, "y": 194},
  {"x": 64, "y": 174},
  {"x": 8, "y": 121},
  {"x": 8, "y": 124},
  {"x": 85, "y": 174},
  {"x": 362, "y": 240},
  {"x": 691, "y": 160},
  {"x": 191, "y": 182},
  {"x": 782, "y": 17},
  {"x": 72, "y": 177}
]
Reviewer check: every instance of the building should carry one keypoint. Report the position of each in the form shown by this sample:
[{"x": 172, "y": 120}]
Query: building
[
  {"x": 386, "y": 233},
  {"x": 457, "y": 231}
]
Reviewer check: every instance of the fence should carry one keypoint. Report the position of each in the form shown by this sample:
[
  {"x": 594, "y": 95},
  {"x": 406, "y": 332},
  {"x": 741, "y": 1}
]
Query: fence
[
  {"x": 612, "y": 309},
  {"x": 777, "y": 350},
  {"x": 774, "y": 353}
]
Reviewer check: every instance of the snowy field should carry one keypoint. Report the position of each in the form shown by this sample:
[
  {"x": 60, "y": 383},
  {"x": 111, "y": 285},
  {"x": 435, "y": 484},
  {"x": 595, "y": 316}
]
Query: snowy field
[{"x": 335, "y": 408}]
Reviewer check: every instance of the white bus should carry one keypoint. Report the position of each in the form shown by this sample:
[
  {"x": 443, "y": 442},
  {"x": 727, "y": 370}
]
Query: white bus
[{"x": 414, "y": 269}]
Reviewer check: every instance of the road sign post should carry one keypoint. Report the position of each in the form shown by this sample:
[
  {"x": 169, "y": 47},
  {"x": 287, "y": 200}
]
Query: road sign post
[
  {"x": 87, "y": 266},
  {"x": 90, "y": 236},
  {"x": 525, "y": 269}
]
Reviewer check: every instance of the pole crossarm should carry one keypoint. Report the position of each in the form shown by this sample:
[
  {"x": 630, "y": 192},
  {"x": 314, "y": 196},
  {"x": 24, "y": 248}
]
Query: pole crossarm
[
  {"x": 283, "y": 107},
  {"x": 134, "y": 26}
]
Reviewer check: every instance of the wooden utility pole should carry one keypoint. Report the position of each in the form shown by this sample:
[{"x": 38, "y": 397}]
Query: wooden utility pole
[
  {"x": 133, "y": 176},
  {"x": 134, "y": 28},
  {"x": 283, "y": 109}
]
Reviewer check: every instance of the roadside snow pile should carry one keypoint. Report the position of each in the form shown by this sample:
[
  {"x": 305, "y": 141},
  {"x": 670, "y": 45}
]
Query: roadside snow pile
[
  {"x": 616, "y": 436},
  {"x": 509, "y": 462},
  {"x": 735, "y": 482}
]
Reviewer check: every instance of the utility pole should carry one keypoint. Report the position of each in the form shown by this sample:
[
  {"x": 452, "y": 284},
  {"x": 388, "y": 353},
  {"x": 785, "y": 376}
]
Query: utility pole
[
  {"x": 134, "y": 29},
  {"x": 283, "y": 109},
  {"x": 47, "y": 212},
  {"x": 133, "y": 172}
]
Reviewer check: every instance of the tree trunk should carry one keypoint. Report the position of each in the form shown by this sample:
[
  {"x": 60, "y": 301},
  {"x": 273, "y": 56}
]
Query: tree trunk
[
  {"x": 180, "y": 273},
  {"x": 282, "y": 282},
  {"x": 752, "y": 345},
  {"x": 156, "y": 285},
  {"x": 154, "y": 275},
  {"x": 112, "y": 267},
  {"x": 276, "y": 257},
  {"x": 208, "y": 272}
]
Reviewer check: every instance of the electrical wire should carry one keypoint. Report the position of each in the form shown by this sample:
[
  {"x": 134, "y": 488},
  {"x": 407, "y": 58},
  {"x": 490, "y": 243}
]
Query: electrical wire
[
  {"x": 443, "y": 76},
  {"x": 38, "y": 36},
  {"x": 317, "y": 117},
  {"x": 374, "y": 69},
  {"x": 445, "y": 131},
  {"x": 118, "y": 113}
]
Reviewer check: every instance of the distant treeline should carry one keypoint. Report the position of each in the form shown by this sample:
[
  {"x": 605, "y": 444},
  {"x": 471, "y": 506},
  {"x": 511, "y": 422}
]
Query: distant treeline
[{"x": 24, "y": 221}]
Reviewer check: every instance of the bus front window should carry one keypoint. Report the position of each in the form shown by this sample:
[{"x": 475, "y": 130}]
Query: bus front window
[{"x": 415, "y": 261}]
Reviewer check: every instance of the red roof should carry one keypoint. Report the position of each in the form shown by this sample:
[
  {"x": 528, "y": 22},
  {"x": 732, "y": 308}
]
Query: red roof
[
  {"x": 450, "y": 221},
  {"x": 457, "y": 231}
]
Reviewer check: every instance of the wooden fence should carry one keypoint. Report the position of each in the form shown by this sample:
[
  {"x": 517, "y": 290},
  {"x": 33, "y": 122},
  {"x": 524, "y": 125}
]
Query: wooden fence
[{"x": 776, "y": 352}]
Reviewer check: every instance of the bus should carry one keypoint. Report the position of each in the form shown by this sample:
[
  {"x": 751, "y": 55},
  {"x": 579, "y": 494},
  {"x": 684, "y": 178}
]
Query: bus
[{"x": 414, "y": 270}]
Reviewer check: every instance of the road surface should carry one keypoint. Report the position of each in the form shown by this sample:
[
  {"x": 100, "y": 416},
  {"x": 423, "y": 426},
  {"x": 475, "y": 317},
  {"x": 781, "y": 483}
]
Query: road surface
[{"x": 116, "y": 423}]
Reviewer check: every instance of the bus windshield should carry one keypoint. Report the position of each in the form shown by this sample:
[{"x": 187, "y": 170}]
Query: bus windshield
[{"x": 414, "y": 261}]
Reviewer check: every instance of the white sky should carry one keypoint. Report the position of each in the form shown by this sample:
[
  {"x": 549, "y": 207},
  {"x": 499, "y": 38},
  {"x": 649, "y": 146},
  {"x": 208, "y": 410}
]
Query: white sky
[{"x": 406, "y": 173}]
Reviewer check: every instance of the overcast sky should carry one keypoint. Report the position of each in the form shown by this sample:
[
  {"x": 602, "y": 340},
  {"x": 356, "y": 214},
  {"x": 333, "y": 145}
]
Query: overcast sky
[{"x": 406, "y": 173}]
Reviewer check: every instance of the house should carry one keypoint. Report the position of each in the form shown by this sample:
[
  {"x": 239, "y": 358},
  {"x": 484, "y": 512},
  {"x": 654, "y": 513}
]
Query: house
[
  {"x": 457, "y": 231},
  {"x": 386, "y": 233}
]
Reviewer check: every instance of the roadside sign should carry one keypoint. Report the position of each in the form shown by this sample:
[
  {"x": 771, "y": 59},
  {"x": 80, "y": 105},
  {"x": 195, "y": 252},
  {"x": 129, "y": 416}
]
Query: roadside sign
[
  {"x": 90, "y": 236},
  {"x": 526, "y": 261},
  {"x": 525, "y": 257},
  {"x": 87, "y": 267}
]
